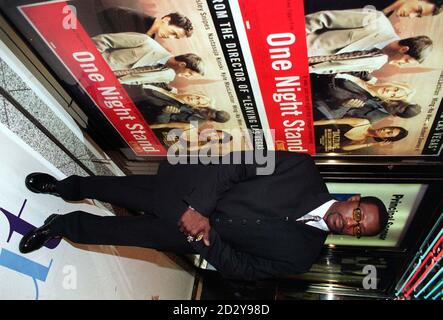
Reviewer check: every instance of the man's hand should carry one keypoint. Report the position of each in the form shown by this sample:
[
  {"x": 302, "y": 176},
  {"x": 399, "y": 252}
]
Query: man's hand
[
  {"x": 171, "y": 110},
  {"x": 354, "y": 103},
  {"x": 194, "y": 224}
]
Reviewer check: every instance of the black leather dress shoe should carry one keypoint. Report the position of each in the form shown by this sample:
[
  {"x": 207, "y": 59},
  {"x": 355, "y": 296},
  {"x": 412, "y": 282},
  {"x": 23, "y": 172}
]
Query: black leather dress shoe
[
  {"x": 41, "y": 183},
  {"x": 37, "y": 238}
]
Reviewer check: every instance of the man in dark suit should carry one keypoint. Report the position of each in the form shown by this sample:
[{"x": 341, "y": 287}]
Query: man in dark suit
[{"x": 252, "y": 226}]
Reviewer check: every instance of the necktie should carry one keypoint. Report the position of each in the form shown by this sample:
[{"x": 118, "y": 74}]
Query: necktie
[
  {"x": 344, "y": 56},
  {"x": 121, "y": 73},
  {"x": 308, "y": 218}
]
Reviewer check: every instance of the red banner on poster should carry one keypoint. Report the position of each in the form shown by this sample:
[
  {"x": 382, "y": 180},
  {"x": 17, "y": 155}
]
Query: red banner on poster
[
  {"x": 280, "y": 56},
  {"x": 74, "y": 47}
]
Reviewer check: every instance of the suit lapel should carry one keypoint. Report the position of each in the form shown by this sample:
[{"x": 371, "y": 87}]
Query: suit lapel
[
  {"x": 367, "y": 42},
  {"x": 311, "y": 229},
  {"x": 311, "y": 202}
]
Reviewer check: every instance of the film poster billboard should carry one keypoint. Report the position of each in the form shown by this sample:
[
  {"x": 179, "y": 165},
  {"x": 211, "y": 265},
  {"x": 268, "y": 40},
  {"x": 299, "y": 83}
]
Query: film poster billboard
[{"x": 327, "y": 78}]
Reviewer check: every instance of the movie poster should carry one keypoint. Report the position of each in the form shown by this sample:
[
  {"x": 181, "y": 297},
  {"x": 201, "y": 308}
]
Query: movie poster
[
  {"x": 328, "y": 78},
  {"x": 401, "y": 201},
  {"x": 381, "y": 92}
]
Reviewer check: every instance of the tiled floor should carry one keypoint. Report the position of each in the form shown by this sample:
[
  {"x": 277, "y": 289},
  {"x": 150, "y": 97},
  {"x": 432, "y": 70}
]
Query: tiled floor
[
  {"x": 3, "y": 117},
  {"x": 11, "y": 80},
  {"x": 2, "y": 77},
  {"x": 25, "y": 129}
]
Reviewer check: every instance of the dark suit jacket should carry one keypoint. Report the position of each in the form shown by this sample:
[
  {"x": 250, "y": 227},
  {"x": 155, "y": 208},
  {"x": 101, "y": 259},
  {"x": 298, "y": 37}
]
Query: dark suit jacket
[
  {"x": 254, "y": 233},
  {"x": 116, "y": 19},
  {"x": 330, "y": 94},
  {"x": 187, "y": 114},
  {"x": 372, "y": 110},
  {"x": 96, "y": 19},
  {"x": 151, "y": 102}
]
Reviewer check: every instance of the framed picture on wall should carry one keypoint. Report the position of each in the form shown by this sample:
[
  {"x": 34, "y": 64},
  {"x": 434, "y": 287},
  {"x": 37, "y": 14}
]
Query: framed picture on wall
[{"x": 401, "y": 201}]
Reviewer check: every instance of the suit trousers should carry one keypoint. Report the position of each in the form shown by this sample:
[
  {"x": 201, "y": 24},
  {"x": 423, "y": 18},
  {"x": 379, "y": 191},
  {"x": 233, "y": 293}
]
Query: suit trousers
[{"x": 132, "y": 192}]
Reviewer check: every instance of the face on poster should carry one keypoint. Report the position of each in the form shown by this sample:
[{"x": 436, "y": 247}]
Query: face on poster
[
  {"x": 401, "y": 201},
  {"x": 374, "y": 89}
]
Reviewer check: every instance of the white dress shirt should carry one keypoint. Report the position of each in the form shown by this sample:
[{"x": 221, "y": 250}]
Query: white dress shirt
[{"x": 319, "y": 212}]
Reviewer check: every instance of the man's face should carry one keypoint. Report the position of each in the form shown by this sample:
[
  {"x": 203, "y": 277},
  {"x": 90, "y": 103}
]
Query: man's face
[
  {"x": 187, "y": 73},
  {"x": 402, "y": 60},
  {"x": 342, "y": 219},
  {"x": 169, "y": 31},
  {"x": 395, "y": 110},
  {"x": 208, "y": 113},
  {"x": 415, "y": 9}
]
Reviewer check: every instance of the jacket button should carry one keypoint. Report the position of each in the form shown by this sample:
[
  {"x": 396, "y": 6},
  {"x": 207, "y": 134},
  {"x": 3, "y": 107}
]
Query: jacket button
[
  {"x": 286, "y": 219},
  {"x": 217, "y": 220},
  {"x": 244, "y": 221},
  {"x": 258, "y": 221},
  {"x": 230, "y": 221}
]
